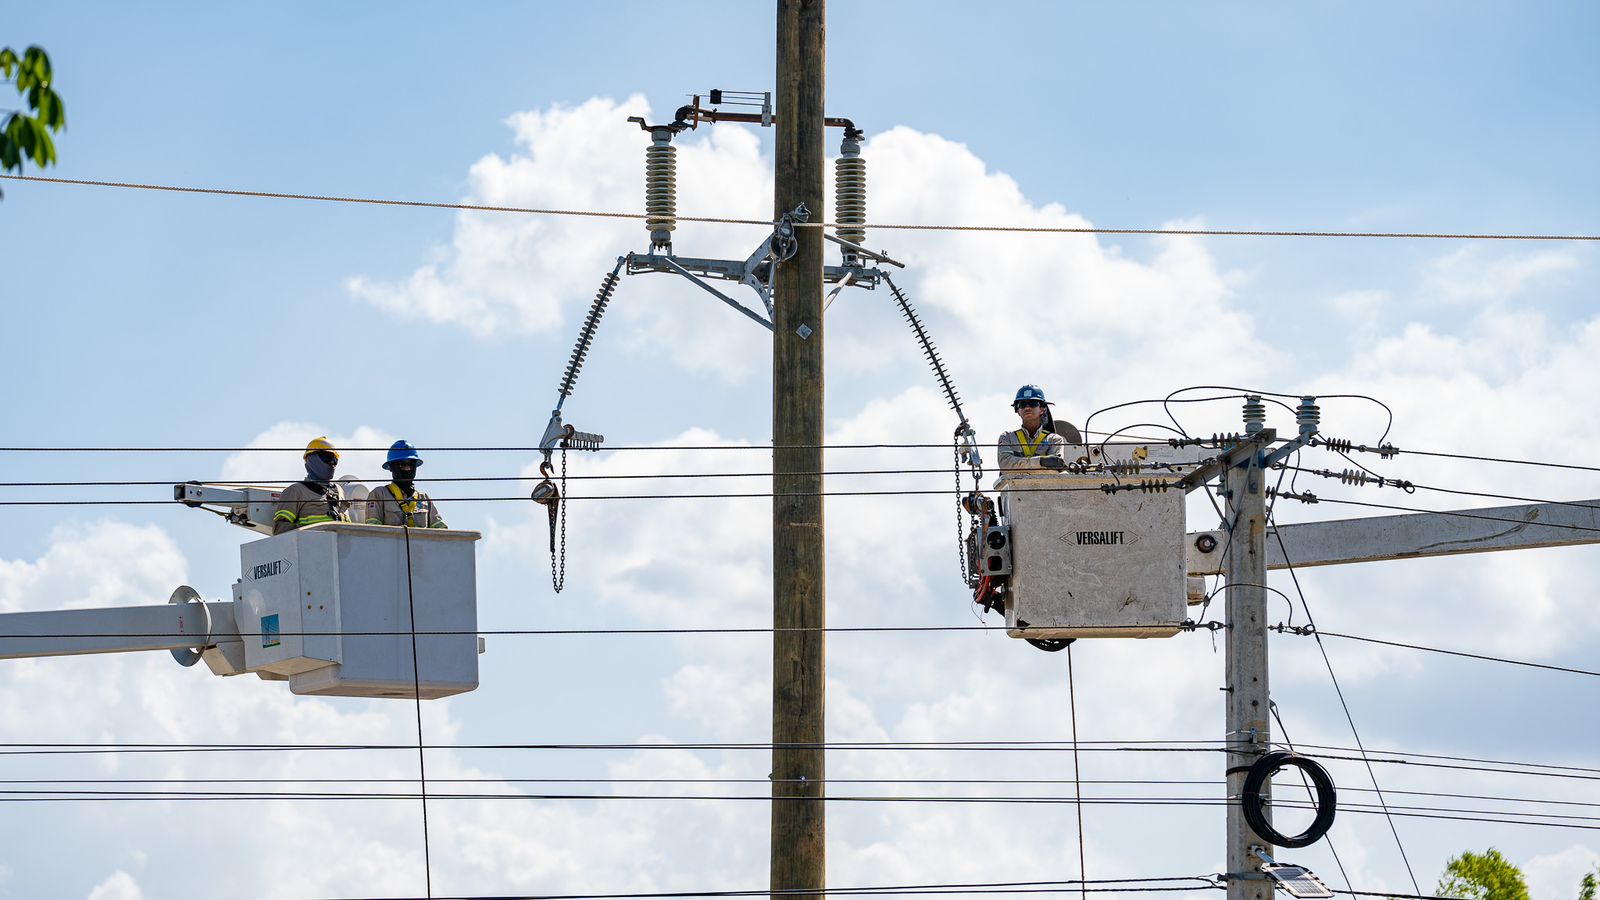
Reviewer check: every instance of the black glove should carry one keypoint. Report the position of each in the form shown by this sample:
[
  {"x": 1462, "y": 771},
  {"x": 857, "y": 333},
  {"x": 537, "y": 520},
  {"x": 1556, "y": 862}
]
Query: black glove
[{"x": 1055, "y": 463}]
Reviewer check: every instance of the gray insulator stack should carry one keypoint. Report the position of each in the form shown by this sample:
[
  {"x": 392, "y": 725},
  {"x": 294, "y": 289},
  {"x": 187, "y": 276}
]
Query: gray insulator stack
[
  {"x": 661, "y": 188},
  {"x": 850, "y": 193},
  {"x": 1255, "y": 414},
  {"x": 1308, "y": 417}
]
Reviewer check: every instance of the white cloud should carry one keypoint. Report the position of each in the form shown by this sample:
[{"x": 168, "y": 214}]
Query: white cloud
[
  {"x": 516, "y": 274},
  {"x": 266, "y": 459},
  {"x": 1472, "y": 275},
  {"x": 81, "y": 569},
  {"x": 1556, "y": 876},
  {"x": 120, "y": 886},
  {"x": 1090, "y": 309}
]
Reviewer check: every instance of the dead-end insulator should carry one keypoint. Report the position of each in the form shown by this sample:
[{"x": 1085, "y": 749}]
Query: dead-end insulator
[
  {"x": 608, "y": 287},
  {"x": 661, "y": 188},
  {"x": 850, "y": 192},
  {"x": 1123, "y": 466}
]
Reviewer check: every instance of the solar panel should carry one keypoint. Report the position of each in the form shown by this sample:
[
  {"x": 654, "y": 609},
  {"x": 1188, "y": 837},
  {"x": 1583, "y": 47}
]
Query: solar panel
[{"x": 1297, "y": 881}]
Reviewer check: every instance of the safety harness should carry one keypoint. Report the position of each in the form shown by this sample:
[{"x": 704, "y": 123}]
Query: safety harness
[{"x": 409, "y": 507}]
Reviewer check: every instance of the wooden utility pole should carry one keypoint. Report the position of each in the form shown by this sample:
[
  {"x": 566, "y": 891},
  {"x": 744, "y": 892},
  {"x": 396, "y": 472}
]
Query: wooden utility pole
[
  {"x": 798, "y": 596},
  {"x": 1245, "y": 567}
]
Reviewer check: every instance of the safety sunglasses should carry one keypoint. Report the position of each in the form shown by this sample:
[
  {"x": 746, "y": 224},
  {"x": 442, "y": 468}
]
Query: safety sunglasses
[{"x": 1029, "y": 404}]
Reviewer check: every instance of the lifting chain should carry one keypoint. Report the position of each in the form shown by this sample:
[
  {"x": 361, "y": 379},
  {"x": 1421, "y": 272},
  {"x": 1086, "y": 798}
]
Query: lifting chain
[
  {"x": 964, "y": 448},
  {"x": 547, "y": 494},
  {"x": 961, "y": 533},
  {"x": 558, "y": 571}
]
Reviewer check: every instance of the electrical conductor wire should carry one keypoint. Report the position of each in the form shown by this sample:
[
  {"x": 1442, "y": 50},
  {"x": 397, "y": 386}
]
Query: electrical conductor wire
[
  {"x": 1338, "y": 691},
  {"x": 767, "y": 223}
]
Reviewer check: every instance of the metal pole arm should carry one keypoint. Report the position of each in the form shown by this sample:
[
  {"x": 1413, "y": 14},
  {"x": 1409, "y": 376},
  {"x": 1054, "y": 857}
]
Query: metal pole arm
[
  {"x": 1414, "y": 535},
  {"x": 124, "y": 629}
]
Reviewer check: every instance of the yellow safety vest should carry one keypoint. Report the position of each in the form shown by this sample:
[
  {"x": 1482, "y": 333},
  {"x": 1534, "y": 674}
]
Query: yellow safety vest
[{"x": 1032, "y": 449}]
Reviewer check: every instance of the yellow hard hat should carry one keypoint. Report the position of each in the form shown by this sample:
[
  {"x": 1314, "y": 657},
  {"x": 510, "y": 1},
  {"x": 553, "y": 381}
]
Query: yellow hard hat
[{"x": 320, "y": 445}]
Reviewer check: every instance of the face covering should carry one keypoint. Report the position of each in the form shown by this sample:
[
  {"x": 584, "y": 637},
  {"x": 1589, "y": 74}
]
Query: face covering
[
  {"x": 404, "y": 476},
  {"x": 319, "y": 469}
]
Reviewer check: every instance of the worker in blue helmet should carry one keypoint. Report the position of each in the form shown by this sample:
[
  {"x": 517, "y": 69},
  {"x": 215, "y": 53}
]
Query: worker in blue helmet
[
  {"x": 399, "y": 502},
  {"x": 1041, "y": 442}
]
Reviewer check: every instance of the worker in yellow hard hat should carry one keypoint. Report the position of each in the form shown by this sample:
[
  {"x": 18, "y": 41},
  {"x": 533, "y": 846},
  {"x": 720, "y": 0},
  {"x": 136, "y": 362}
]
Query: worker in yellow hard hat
[{"x": 317, "y": 499}]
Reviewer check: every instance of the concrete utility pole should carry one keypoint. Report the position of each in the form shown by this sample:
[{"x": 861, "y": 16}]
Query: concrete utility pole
[
  {"x": 1245, "y": 567},
  {"x": 798, "y": 597}
]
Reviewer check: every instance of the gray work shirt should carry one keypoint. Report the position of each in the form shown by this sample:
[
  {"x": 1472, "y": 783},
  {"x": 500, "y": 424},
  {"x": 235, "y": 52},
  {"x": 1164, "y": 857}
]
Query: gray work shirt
[
  {"x": 417, "y": 510},
  {"x": 1022, "y": 449}
]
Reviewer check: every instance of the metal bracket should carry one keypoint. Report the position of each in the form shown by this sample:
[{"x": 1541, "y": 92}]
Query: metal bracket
[
  {"x": 1233, "y": 456},
  {"x": 672, "y": 265},
  {"x": 869, "y": 254},
  {"x": 759, "y": 270}
]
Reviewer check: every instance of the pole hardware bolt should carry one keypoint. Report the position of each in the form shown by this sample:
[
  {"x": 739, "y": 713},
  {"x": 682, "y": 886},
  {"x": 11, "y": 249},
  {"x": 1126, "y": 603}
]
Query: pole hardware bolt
[{"x": 1205, "y": 543}]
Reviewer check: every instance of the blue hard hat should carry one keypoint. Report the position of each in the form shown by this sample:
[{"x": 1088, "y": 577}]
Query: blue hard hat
[
  {"x": 1029, "y": 392},
  {"x": 402, "y": 450}
]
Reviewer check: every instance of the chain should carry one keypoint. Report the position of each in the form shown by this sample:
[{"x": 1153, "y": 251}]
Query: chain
[
  {"x": 961, "y": 537},
  {"x": 558, "y": 571}
]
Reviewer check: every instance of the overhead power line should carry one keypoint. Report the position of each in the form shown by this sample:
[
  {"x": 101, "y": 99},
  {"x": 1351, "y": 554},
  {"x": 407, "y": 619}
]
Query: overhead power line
[
  {"x": 25, "y": 748},
  {"x": 767, "y": 223},
  {"x": 1101, "y": 886},
  {"x": 1461, "y": 653},
  {"x": 1500, "y": 816},
  {"x": 677, "y": 780},
  {"x": 1345, "y": 706}
]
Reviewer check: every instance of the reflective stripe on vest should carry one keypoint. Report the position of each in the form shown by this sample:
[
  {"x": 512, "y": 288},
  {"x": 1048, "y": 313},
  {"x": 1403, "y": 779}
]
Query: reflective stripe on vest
[{"x": 1033, "y": 448}]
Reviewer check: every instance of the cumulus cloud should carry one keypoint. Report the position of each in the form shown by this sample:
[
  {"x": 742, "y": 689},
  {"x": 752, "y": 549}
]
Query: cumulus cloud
[
  {"x": 120, "y": 886},
  {"x": 1075, "y": 299},
  {"x": 1472, "y": 275},
  {"x": 265, "y": 457},
  {"x": 1556, "y": 876}
]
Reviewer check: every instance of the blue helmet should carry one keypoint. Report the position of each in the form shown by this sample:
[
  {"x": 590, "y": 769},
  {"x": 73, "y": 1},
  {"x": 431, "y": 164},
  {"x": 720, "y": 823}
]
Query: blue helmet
[
  {"x": 402, "y": 450},
  {"x": 1029, "y": 392}
]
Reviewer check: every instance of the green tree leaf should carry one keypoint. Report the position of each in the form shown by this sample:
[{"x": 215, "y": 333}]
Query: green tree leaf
[
  {"x": 26, "y": 135},
  {"x": 1482, "y": 876}
]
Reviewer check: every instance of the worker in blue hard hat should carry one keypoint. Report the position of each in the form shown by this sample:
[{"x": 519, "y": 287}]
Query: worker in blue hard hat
[
  {"x": 318, "y": 498},
  {"x": 399, "y": 502},
  {"x": 1041, "y": 442}
]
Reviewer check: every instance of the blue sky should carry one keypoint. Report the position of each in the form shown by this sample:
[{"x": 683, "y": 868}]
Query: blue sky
[{"x": 147, "y": 319}]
